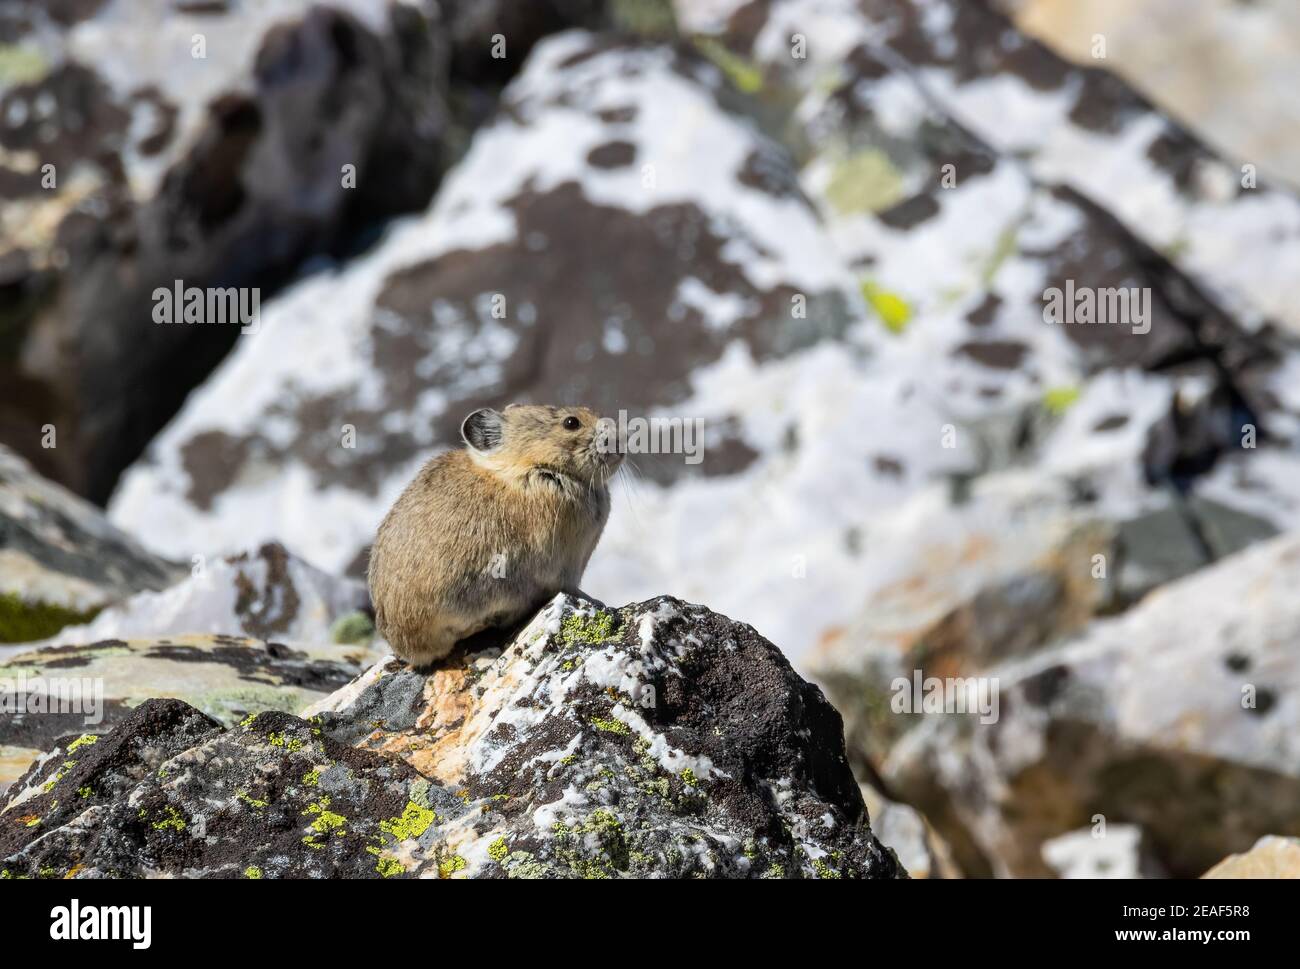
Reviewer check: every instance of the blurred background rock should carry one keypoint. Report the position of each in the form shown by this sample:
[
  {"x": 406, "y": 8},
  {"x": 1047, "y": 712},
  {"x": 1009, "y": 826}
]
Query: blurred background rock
[{"x": 1225, "y": 68}]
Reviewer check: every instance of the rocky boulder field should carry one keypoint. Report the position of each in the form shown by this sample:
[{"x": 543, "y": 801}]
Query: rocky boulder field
[
  {"x": 659, "y": 739},
  {"x": 826, "y": 230}
]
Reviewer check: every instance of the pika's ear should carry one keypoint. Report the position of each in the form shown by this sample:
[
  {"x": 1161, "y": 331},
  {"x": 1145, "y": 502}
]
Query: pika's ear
[{"x": 482, "y": 429}]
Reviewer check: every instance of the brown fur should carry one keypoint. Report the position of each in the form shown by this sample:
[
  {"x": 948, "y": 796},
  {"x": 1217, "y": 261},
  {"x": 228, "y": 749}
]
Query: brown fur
[{"x": 486, "y": 534}]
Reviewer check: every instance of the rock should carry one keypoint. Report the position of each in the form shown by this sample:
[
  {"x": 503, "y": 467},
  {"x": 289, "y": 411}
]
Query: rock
[
  {"x": 1201, "y": 63},
  {"x": 733, "y": 255},
  {"x": 1157, "y": 547},
  {"x": 958, "y": 590},
  {"x": 905, "y": 371},
  {"x": 1178, "y": 716},
  {"x": 60, "y": 559},
  {"x": 146, "y": 144},
  {"x": 904, "y": 831},
  {"x": 1271, "y": 857},
  {"x": 1227, "y": 530},
  {"x": 471, "y": 26},
  {"x": 659, "y": 739},
  {"x": 65, "y": 690},
  {"x": 269, "y": 594},
  {"x": 1072, "y": 125},
  {"x": 1022, "y": 565},
  {"x": 1178, "y": 538},
  {"x": 1118, "y": 851}
]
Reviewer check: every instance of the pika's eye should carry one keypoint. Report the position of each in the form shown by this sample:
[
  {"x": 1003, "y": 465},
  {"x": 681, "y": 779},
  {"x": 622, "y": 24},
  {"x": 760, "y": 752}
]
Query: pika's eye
[{"x": 572, "y": 423}]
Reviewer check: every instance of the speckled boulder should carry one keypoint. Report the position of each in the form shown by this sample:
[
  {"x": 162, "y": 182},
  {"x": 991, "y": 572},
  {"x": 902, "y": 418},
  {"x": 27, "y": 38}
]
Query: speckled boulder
[
  {"x": 146, "y": 142},
  {"x": 1179, "y": 716},
  {"x": 918, "y": 360},
  {"x": 267, "y": 593},
  {"x": 1201, "y": 65},
  {"x": 659, "y": 739},
  {"x": 60, "y": 559},
  {"x": 48, "y": 691},
  {"x": 1074, "y": 125},
  {"x": 1021, "y": 565},
  {"x": 505, "y": 290}
]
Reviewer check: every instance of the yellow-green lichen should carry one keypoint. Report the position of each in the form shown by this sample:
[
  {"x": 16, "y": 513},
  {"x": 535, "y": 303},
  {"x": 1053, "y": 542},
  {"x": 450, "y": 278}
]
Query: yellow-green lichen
[
  {"x": 312, "y": 777},
  {"x": 325, "y": 821},
  {"x": 353, "y": 628},
  {"x": 592, "y": 630},
  {"x": 1058, "y": 400},
  {"x": 1003, "y": 249},
  {"x": 823, "y": 870},
  {"x": 689, "y": 779},
  {"x": 865, "y": 182},
  {"x": 22, "y": 65},
  {"x": 611, "y": 726},
  {"x": 497, "y": 850},
  {"x": 291, "y": 744},
  {"x": 607, "y": 829},
  {"x": 171, "y": 820},
  {"x": 252, "y": 871},
  {"x": 653, "y": 19},
  {"x": 449, "y": 866},
  {"x": 894, "y": 311},
  {"x": 412, "y": 823},
  {"x": 85, "y": 740},
  {"x": 388, "y": 867},
  {"x": 250, "y": 800},
  {"x": 743, "y": 74},
  {"x": 22, "y": 621}
]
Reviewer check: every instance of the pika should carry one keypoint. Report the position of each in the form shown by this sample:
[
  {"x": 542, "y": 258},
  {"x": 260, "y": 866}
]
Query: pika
[{"x": 486, "y": 534}]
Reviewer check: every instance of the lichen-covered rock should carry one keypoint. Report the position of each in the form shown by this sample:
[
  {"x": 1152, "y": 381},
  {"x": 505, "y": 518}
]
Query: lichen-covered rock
[
  {"x": 659, "y": 739},
  {"x": 1179, "y": 716},
  {"x": 1271, "y": 857},
  {"x": 69, "y": 689},
  {"x": 1200, "y": 61},
  {"x": 1020, "y": 565},
  {"x": 918, "y": 358},
  {"x": 268, "y": 594},
  {"x": 958, "y": 590},
  {"x": 405, "y": 339},
  {"x": 146, "y": 142},
  {"x": 60, "y": 559},
  {"x": 1070, "y": 124}
]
